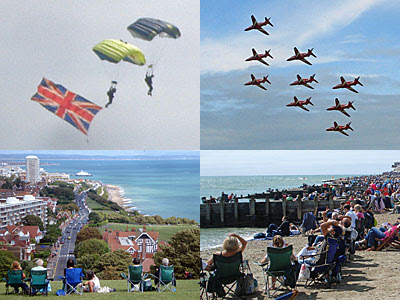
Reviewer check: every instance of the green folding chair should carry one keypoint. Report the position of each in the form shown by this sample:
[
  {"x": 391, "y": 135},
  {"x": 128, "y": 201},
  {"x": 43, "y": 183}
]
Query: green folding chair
[
  {"x": 38, "y": 281},
  {"x": 166, "y": 279},
  {"x": 228, "y": 271},
  {"x": 279, "y": 262},
  {"x": 134, "y": 277},
  {"x": 14, "y": 280}
]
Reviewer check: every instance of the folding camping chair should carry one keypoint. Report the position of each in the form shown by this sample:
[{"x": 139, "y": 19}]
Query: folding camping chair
[
  {"x": 73, "y": 278},
  {"x": 166, "y": 279},
  {"x": 279, "y": 262},
  {"x": 203, "y": 282},
  {"x": 14, "y": 280},
  {"x": 228, "y": 272},
  {"x": 328, "y": 269},
  {"x": 38, "y": 281},
  {"x": 134, "y": 277},
  {"x": 389, "y": 240}
]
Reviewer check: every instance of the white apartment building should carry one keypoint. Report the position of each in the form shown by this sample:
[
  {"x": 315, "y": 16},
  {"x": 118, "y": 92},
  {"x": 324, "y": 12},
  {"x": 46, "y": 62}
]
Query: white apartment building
[
  {"x": 12, "y": 210},
  {"x": 32, "y": 169}
]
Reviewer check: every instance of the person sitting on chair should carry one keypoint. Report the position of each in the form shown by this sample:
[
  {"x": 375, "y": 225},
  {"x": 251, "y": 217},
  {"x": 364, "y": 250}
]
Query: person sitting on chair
[
  {"x": 15, "y": 267},
  {"x": 164, "y": 262}
]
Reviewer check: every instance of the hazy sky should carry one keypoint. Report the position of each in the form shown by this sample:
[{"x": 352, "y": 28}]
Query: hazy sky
[
  {"x": 296, "y": 162},
  {"x": 350, "y": 38},
  {"x": 54, "y": 39}
]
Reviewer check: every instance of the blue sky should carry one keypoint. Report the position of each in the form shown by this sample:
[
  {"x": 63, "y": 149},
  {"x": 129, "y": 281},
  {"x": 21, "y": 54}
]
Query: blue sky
[
  {"x": 288, "y": 162},
  {"x": 350, "y": 38}
]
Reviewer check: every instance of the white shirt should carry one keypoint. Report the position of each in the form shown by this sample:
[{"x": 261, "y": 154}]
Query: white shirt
[{"x": 353, "y": 217}]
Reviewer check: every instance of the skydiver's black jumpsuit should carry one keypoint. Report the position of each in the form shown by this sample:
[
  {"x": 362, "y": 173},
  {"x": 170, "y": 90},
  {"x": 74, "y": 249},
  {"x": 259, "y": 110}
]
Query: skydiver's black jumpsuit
[
  {"x": 149, "y": 81},
  {"x": 110, "y": 94}
]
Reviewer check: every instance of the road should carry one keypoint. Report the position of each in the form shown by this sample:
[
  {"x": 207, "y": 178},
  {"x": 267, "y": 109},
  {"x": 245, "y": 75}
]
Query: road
[{"x": 67, "y": 248}]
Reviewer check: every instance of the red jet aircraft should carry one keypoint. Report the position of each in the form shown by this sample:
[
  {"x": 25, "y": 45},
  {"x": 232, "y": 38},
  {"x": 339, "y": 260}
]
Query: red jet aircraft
[
  {"x": 342, "y": 107},
  {"x": 339, "y": 128},
  {"x": 259, "y": 25},
  {"x": 300, "y": 104},
  {"x": 259, "y": 57},
  {"x": 304, "y": 81},
  {"x": 347, "y": 84},
  {"x": 302, "y": 56},
  {"x": 258, "y": 82}
]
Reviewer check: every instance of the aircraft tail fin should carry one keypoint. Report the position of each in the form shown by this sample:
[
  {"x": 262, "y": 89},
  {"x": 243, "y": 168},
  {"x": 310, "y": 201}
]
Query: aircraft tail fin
[
  {"x": 356, "y": 81},
  {"x": 313, "y": 78},
  {"x": 309, "y": 102},
  {"x": 268, "y": 21},
  {"x": 267, "y": 53},
  {"x": 310, "y": 52},
  {"x": 349, "y": 127},
  {"x": 351, "y": 105},
  {"x": 266, "y": 79}
]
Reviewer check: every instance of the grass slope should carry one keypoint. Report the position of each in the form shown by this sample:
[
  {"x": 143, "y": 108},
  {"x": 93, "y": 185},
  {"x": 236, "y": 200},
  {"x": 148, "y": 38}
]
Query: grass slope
[
  {"x": 166, "y": 231},
  {"x": 185, "y": 290}
]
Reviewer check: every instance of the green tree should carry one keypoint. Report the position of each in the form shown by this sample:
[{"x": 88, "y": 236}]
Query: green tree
[
  {"x": 31, "y": 220},
  {"x": 6, "y": 259},
  {"x": 95, "y": 217},
  {"x": 183, "y": 252},
  {"x": 88, "y": 233},
  {"x": 52, "y": 234},
  {"x": 112, "y": 264},
  {"x": 92, "y": 246},
  {"x": 88, "y": 261}
]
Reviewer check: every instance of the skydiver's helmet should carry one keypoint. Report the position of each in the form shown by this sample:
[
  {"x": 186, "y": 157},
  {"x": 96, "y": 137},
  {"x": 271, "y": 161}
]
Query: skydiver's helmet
[{"x": 113, "y": 84}]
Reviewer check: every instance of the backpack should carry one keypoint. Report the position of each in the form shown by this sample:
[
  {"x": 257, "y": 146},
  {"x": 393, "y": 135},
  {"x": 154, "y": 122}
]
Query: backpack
[{"x": 246, "y": 285}]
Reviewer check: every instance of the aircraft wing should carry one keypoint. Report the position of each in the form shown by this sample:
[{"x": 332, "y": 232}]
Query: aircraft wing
[
  {"x": 307, "y": 85},
  {"x": 254, "y": 51},
  {"x": 260, "y": 86},
  {"x": 305, "y": 61},
  {"x": 263, "y": 31},
  {"x": 342, "y": 132},
  {"x": 296, "y": 51},
  {"x": 345, "y": 113},
  {"x": 337, "y": 102},
  {"x": 264, "y": 62},
  {"x": 301, "y": 106},
  {"x": 351, "y": 89},
  {"x": 253, "y": 20}
]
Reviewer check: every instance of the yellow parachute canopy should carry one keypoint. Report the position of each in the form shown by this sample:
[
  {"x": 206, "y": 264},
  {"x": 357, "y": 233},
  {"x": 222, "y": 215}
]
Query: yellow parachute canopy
[{"x": 116, "y": 50}]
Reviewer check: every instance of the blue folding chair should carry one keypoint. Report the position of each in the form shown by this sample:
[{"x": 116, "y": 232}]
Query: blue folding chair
[{"x": 73, "y": 278}]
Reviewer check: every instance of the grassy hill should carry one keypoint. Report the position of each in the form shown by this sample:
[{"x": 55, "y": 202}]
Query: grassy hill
[{"x": 185, "y": 289}]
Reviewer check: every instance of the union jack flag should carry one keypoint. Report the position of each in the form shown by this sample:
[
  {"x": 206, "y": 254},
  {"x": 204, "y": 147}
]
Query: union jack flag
[{"x": 71, "y": 107}]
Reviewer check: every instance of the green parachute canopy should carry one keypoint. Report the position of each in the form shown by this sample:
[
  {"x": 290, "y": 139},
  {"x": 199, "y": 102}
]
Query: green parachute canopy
[
  {"x": 148, "y": 28},
  {"x": 116, "y": 50}
]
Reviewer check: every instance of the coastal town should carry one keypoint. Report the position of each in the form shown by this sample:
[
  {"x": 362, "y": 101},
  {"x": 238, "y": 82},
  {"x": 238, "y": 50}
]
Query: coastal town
[{"x": 59, "y": 217}]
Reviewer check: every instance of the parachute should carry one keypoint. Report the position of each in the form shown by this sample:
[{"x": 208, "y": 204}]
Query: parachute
[
  {"x": 148, "y": 28},
  {"x": 116, "y": 50}
]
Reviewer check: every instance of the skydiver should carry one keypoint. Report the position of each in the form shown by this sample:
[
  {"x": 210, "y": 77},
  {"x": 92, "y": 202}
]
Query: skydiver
[
  {"x": 149, "y": 79},
  {"x": 111, "y": 92}
]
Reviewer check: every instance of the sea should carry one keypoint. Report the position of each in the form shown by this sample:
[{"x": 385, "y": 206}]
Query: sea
[
  {"x": 244, "y": 185},
  {"x": 168, "y": 187}
]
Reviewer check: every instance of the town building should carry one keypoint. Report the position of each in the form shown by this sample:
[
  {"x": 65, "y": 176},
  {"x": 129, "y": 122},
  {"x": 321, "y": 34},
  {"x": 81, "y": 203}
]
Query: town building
[
  {"x": 13, "y": 210},
  {"x": 32, "y": 169}
]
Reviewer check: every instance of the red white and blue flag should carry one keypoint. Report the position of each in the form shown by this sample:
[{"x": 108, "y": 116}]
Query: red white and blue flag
[{"x": 71, "y": 107}]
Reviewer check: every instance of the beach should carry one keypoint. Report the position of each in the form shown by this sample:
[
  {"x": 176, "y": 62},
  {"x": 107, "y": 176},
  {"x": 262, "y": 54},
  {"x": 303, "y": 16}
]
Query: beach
[
  {"x": 115, "y": 195},
  {"x": 371, "y": 275}
]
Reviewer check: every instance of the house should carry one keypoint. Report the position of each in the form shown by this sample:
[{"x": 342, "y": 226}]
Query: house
[
  {"x": 139, "y": 243},
  {"x": 20, "y": 240}
]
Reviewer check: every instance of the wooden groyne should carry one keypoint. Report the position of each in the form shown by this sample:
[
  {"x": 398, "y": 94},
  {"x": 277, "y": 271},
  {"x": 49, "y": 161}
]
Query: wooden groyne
[{"x": 259, "y": 212}]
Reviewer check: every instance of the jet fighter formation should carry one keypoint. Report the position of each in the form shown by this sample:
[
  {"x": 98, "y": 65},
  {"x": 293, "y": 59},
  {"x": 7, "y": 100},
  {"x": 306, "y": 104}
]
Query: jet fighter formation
[
  {"x": 259, "y": 56},
  {"x": 300, "y": 104},
  {"x": 340, "y": 128},
  {"x": 342, "y": 107},
  {"x": 259, "y": 25},
  {"x": 258, "y": 82},
  {"x": 348, "y": 84},
  {"x": 301, "y": 56},
  {"x": 304, "y": 81}
]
